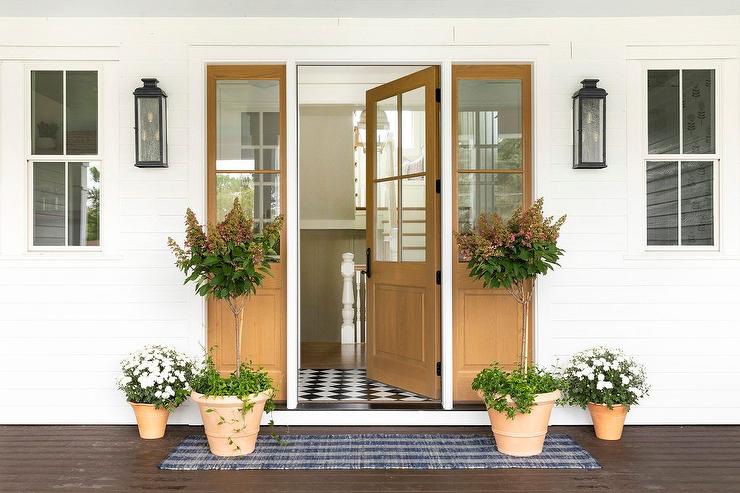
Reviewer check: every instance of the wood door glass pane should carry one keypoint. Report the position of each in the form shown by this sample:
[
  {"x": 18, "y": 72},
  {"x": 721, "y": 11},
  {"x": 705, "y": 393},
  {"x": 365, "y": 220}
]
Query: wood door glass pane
[
  {"x": 413, "y": 219},
  {"x": 49, "y": 204},
  {"x": 82, "y": 113},
  {"x": 698, "y": 111},
  {"x": 386, "y": 152},
  {"x": 413, "y": 131},
  {"x": 662, "y": 203},
  {"x": 501, "y": 193},
  {"x": 697, "y": 203},
  {"x": 46, "y": 112},
  {"x": 489, "y": 125},
  {"x": 258, "y": 193},
  {"x": 386, "y": 221},
  {"x": 247, "y": 125},
  {"x": 663, "y": 107},
  {"x": 83, "y": 212}
]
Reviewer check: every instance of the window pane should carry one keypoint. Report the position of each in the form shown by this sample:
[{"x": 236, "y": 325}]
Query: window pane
[
  {"x": 662, "y": 203},
  {"x": 83, "y": 215},
  {"x": 489, "y": 134},
  {"x": 247, "y": 120},
  {"x": 698, "y": 111},
  {"x": 386, "y": 221},
  {"x": 592, "y": 133},
  {"x": 46, "y": 112},
  {"x": 82, "y": 112},
  {"x": 150, "y": 140},
  {"x": 413, "y": 219},
  {"x": 258, "y": 193},
  {"x": 501, "y": 193},
  {"x": 697, "y": 203},
  {"x": 663, "y": 116},
  {"x": 413, "y": 134},
  {"x": 386, "y": 152},
  {"x": 48, "y": 204},
  {"x": 271, "y": 121}
]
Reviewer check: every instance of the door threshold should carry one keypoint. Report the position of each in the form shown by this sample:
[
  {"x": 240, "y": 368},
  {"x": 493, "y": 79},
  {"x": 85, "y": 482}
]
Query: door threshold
[
  {"x": 368, "y": 406},
  {"x": 376, "y": 417}
]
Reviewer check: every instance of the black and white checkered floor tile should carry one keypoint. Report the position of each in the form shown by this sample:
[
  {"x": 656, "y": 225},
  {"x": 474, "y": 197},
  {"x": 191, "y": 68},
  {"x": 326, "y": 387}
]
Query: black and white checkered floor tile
[{"x": 330, "y": 385}]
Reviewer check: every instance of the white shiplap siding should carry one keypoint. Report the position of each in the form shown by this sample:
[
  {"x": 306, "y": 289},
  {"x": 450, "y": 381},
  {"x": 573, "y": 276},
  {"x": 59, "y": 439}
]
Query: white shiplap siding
[{"x": 67, "y": 320}]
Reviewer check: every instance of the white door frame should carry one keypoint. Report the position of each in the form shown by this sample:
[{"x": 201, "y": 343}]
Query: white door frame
[{"x": 443, "y": 55}]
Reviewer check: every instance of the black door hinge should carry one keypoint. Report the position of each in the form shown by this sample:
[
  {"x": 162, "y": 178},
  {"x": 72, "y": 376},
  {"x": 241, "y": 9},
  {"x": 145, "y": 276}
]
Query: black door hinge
[
  {"x": 438, "y": 95},
  {"x": 439, "y": 368},
  {"x": 438, "y": 185},
  {"x": 439, "y": 277}
]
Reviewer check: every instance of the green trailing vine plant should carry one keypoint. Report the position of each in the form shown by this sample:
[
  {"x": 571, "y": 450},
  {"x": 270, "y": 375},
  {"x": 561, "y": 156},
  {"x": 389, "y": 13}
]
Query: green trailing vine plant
[{"x": 513, "y": 392}]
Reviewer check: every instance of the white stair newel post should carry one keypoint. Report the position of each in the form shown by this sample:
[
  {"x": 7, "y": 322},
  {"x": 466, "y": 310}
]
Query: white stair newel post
[{"x": 348, "y": 298}]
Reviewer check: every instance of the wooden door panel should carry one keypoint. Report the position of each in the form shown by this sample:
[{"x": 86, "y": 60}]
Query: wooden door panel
[
  {"x": 264, "y": 326},
  {"x": 403, "y": 298},
  {"x": 486, "y": 322}
]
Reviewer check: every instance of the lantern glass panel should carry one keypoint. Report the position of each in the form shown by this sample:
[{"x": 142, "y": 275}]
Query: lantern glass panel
[
  {"x": 150, "y": 130},
  {"x": 592, "y": 130},
  {"x": 576, "y": 130}
]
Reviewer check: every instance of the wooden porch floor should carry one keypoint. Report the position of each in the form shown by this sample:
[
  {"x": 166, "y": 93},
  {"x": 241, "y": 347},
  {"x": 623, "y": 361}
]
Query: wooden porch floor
[{"x": 113, "y": 458}]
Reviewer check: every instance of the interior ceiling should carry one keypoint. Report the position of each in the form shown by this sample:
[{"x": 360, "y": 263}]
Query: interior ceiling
[{"x": 367, "y": 8}]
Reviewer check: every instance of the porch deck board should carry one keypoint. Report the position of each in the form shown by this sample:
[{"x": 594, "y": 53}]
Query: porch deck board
[{"x": 113, "y": 458}]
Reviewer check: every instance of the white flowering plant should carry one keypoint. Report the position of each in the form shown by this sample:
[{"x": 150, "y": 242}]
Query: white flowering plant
[
  {"x": 603, "y": 376},
  {"x": 157, "y": 375}
]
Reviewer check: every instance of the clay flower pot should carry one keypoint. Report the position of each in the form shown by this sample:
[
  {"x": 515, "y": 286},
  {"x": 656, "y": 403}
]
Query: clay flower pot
[
  {"x": 524, "y": 435},
  {"x": 230, "y": 431},
  {"x": 151, "y": 421},
  {"x": 608, "y": 423}
]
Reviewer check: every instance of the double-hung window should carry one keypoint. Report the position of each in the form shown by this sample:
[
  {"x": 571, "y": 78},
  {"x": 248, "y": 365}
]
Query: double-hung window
[
  {"x": 64, "y": 159},
  {"x": 681, "y": 158}
]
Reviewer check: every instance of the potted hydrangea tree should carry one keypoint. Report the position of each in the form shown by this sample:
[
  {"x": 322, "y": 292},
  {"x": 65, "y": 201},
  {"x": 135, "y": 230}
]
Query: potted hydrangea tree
[
  {"x": 510, "y": 255},
  {"x": 229, "y": 261},
  {"x": 607, "y": 382},
  {"x": 155, "y": 381}
]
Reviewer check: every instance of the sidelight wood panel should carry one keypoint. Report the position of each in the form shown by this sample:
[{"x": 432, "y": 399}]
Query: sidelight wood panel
[
  {"x": 264, "y": 326},
  {"x": 403, "y": 298},
  {"x": 486, "y": 323}
]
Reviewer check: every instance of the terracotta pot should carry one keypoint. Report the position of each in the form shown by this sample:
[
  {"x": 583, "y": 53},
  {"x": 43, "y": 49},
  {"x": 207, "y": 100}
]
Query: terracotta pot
[
  {"x": 229, "y": 431},
  {"x": 524, "y": 435},
  {"x": 608, "y": 423},
  {"x": 151, "y": 421}
]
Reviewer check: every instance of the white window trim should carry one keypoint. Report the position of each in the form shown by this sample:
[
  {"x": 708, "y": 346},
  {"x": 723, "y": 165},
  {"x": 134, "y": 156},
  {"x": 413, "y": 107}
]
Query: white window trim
[
  {"x": 64, "y": 158},
  {"x": 638, "y": 156}
]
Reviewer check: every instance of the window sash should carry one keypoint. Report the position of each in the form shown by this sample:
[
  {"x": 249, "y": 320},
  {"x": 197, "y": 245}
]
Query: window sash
[
  {"x": 715, "y": 204},
  {"x": 715, "y": 158},
  {"x": 30, "y": 158}
]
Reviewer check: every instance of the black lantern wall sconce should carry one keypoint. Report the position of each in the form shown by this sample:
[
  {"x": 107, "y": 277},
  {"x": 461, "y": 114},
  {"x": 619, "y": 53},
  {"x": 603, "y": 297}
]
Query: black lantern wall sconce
[
  {"x": 589, "y": 126},
  {"x": 150, "y": 120}
]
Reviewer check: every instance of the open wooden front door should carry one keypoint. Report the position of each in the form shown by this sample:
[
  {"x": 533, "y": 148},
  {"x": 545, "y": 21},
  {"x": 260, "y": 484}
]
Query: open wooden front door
[
  {"x": 246, "y": 159},
  {"x": 403, "y": 311}
]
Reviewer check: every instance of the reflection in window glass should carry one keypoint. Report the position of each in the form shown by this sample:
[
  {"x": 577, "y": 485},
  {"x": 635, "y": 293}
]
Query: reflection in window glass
[
  {"x": 413, "y": 131},
  {"x": 698, "y": 111},
  {"x": 413, "y": 219},
  {"x": 662, "y": 203},
  {"x": 386, "y": 157},
  {"x": 83, "y": 213},
  {"x": 499, "y": 193},
  {"x": 663, "y": 106},
  {"x": 46, "y": 112},
  {"x": 489, "y": 124},
  {"x": 697, "y": 203},
  {"x": 258, "y": 193},
  {"x": 386, "y": 221},
  {"x": 49, "y": 203},
  {"x": 82, "y": 112}
]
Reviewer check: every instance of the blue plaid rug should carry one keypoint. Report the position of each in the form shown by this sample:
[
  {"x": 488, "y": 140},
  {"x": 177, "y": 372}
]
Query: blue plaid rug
[{"x": 379, "y": 451}]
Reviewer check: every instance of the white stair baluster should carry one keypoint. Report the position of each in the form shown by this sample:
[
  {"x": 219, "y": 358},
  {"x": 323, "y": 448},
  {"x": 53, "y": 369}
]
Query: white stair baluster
[{"x": 348, "y": 298}]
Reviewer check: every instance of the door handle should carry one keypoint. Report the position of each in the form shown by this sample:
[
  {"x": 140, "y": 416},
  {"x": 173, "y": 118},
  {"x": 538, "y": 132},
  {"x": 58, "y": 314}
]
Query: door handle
[{"x": 367, "y": 264}]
